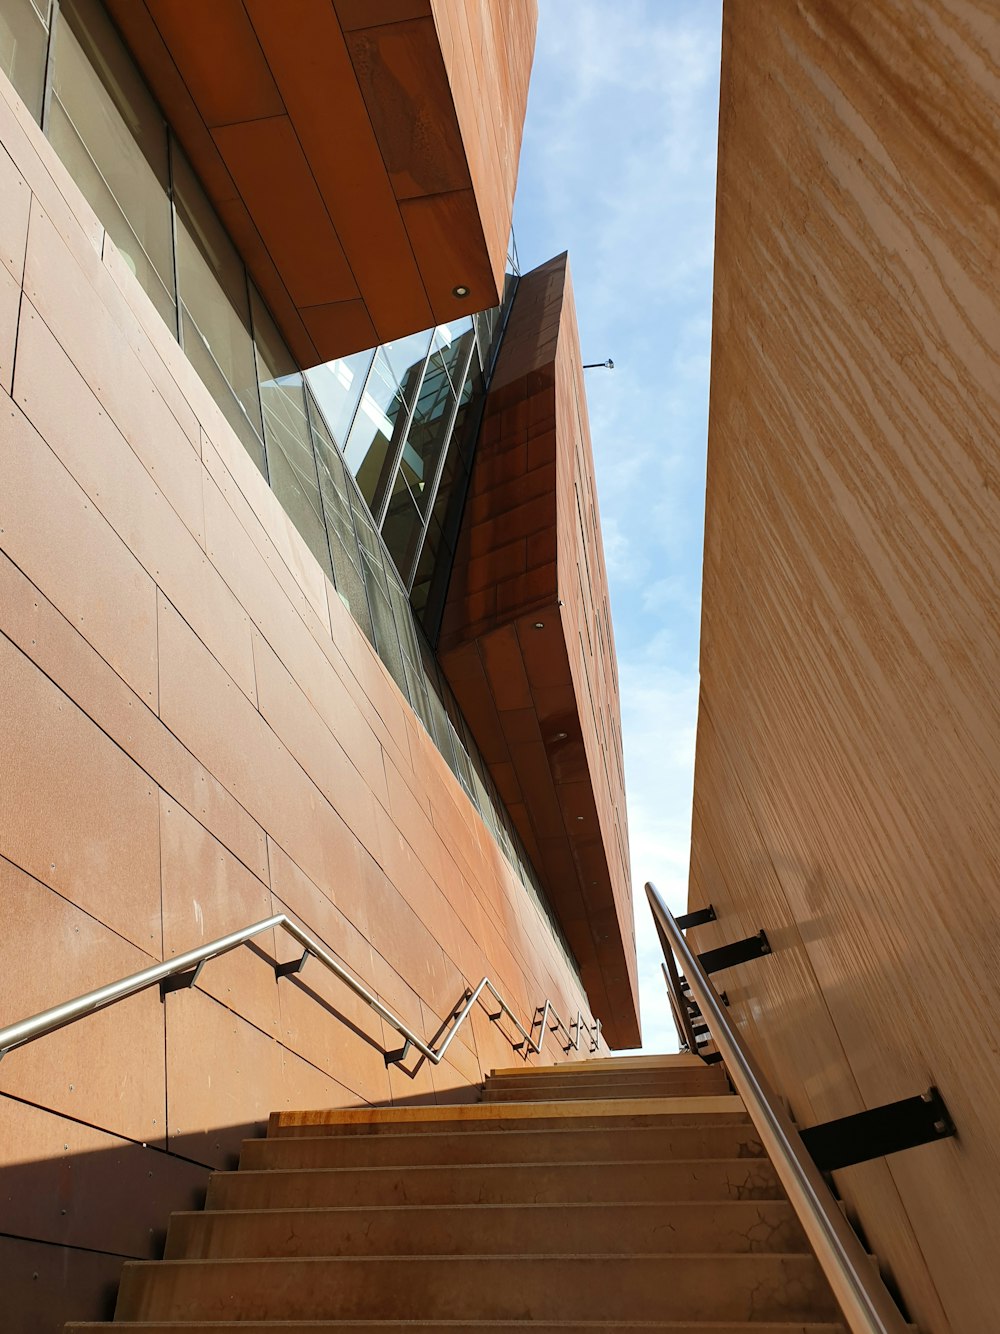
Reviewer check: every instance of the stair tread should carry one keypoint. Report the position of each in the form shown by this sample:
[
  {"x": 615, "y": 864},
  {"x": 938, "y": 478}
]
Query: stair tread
[
  {"x": 562, "y": 1130},
  {"x": 535, "y": 1205},
  {"x": 702, "y": 1178},
  {"x": 482, "y": 1286},
  {"x": 719, "y": 1227},
  {"x": 474, "y": 1257},
  {"x": 432, "y": 1326},
  {"x": 708, "y": 1104},
  {"x": 590, "y": 1144},
  {"x": 557, "y": 1166}
]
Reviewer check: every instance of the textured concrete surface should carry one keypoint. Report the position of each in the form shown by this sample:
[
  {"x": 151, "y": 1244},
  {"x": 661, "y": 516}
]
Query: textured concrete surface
[{"x": 849, "y": 736}]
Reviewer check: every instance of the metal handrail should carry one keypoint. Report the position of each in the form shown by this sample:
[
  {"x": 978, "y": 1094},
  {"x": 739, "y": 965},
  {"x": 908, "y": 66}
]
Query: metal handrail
[
  {"x": 682, "y": 1020},
  {"x": 572, "y": 1043},
  {"x": 192, "y": 962},
  {"x": 863, "y": 1298}
]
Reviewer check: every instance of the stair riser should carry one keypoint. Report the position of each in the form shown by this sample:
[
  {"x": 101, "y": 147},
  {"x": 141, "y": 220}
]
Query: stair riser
[
  {"x": 612, "y": 1064},
  {"x": 728, "y": 1228},
  {"x": 591, "y": 1093},
  {"x": 509, "y": 1123},
  {"x": 735, "y": 1179},
  {"x": 710, "y": 1079},
  {"x": 456, "y": 1326},
  {"x": 457, "y": 1288},
  {"x": 527, "y": 1147}
]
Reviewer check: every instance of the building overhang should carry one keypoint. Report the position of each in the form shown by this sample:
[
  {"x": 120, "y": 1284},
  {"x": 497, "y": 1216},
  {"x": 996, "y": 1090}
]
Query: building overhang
[
  {"x": 526, "y": 641},
  {"x": 361, "y": 153}
]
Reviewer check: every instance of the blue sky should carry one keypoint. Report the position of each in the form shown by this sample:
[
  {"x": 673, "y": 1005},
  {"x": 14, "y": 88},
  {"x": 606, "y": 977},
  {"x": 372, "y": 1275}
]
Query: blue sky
[{"x": 618, "y": 167}]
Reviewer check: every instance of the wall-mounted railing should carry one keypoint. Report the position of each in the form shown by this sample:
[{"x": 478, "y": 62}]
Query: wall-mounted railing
[
  {"x": 547, "y": 1020},
  {"x": 184, "y": 970},
  {"x": 852, "y": 1274}
]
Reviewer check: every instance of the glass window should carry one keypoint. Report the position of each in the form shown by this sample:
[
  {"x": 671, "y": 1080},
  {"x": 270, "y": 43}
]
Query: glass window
[
  {"x": 337, "y": 387},
  {"x": 109, "y": 133},
  {"x": 376, "y": 433},
  {"x": 386, "y": 637},
  {"x": 428, "y": 431},
  {"x": 291, "y": 465},
  {"x": 452, "y": 342},
  {"x": 413, "y": 668},
  {"x": 348, "y": 575},
  {"x": 215, "y": 316},
  {"x": 402, "y": 526},
  {"x": 423, "y": 576},
  {"x": 484, "y": 332},
  {"x": 463, "y": 436},
  {"x": 24, "y": 39},
  {"x": 440, "y": 724},
  {"x": 406, "y": 357}
]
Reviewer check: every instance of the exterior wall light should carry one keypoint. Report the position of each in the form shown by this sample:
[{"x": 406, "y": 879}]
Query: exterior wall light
[{"x": 460, "y": 290}]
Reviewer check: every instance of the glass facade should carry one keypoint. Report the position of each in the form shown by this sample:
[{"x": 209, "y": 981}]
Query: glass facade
[
  {"x": 369, "y": 455},
  {"x": 24, "y": 39}
]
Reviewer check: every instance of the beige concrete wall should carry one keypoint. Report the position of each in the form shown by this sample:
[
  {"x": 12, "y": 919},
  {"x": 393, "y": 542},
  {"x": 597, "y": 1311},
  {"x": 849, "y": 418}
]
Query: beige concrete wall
[
  {"x": 194, "y": 735},
  {"x": 849, "y": 735}
]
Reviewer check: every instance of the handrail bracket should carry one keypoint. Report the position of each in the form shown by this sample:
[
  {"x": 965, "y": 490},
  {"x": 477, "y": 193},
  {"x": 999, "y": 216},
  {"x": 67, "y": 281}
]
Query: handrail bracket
[{"x": 181, "y": 981}]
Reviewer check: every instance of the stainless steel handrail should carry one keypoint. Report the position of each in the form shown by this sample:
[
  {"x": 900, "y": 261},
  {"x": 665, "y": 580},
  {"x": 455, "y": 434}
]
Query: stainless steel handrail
[
  {"x": 863, "y": 1298},
  {"x": 58, "y": 1016},
  {"x": 572, "y": 1043},
  {"x": 682, "y": 1020}
]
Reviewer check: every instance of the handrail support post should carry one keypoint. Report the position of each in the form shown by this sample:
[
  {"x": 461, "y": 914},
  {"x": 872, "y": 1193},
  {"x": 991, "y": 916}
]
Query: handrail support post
[
  {"x": 181, "y": 981},
  {"x": 293, "y": 965}
]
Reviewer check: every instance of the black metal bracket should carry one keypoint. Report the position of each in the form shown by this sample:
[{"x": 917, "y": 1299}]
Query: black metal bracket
[
  {"x": 293, "y": 965},
  {"x": 740, "y": 951},
  {"x": 400, "y": 1054},
  {"x": 181, "y": 981},
  {"x": 879, "y": 1131},
  {"x": 697, "y": 918},
  {"x": 693, "y": 1007}
]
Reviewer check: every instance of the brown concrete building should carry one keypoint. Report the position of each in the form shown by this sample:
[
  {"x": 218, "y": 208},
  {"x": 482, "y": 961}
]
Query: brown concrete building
[
  {"x": 849, "y": 735},
  {"x": 250, "y": 315},
  {"x": 303, "y": 611}
]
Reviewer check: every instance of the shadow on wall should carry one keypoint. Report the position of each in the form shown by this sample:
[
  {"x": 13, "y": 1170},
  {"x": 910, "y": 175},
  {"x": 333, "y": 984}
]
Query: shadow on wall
[{"x": 71, "y": 1215}]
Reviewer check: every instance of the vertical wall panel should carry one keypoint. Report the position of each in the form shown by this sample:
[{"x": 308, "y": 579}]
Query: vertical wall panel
[
  {"x": 849, "y": 736},
  {"x": 195, "y": 735}
]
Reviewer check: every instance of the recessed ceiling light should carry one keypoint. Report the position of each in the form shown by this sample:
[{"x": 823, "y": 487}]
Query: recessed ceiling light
[
  {"x": 460, "y": 290},
  {"x": 539, "y": 625},
  {"x": 560, "y": 736},
  {"x": 579, "y": 817}
]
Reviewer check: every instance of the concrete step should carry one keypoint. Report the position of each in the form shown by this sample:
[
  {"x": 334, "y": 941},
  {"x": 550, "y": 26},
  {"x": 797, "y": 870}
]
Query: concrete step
[
  {"x": 497, "y": 1183},
  {"x": 542, "y": 1288},
  {"x": 442, "y": 1118},
  {"x": 663, "y": 1061},
  {"x": 451, "y": 1326},
  {"x": 500, "y": 1090},
  {"x": 709, "y": 1078},
  {"x": 602, "y": 1144},
  {"x": 730, "y": 1227}
]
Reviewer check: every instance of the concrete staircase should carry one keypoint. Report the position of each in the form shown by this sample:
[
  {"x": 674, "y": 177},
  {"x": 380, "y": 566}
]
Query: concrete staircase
[{"x": 613, "y": 1194}]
